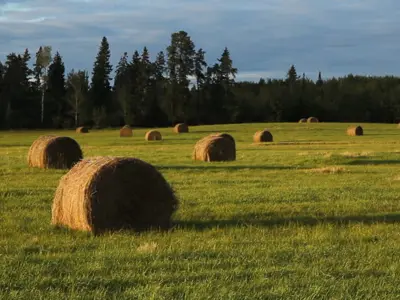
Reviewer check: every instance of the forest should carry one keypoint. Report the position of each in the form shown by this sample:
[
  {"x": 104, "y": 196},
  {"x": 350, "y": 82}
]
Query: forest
[{"x": 178, "y": 85}]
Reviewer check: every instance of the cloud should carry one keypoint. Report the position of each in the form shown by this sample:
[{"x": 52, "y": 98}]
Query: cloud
[{"x": 264, "y": 37}]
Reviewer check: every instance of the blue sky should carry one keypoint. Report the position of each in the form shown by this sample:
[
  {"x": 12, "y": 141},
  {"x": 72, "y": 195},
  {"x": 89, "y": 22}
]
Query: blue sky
[{"x": 264, "y": 36}]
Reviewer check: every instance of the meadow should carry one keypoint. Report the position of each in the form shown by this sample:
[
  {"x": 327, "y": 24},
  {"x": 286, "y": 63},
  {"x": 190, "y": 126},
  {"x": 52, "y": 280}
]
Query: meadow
[{"x": 313, "y": 215}]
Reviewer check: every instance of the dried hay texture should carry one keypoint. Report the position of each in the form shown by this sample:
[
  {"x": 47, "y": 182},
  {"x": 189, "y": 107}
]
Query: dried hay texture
[
  {"x": 328, "y": 170},
  {"x": 125, "y": 131},
  {"x": 262, "y": 136},
  {"x": 82, "y": 130},
  {"x": 215, "y": 147},
  {"x": 303, "y": 120},
  {"x": 54, "y": 152},
  {"x": 153, "y": 135},
  {"x": 181, "y": 128},
  {"x": 312, "y": 120},
  {"x": 355, "y": 131},
  {"x": 113, "y": 193}
]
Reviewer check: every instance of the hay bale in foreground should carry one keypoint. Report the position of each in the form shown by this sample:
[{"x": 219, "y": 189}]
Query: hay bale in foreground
[
  {"x": 153, "y": 135},
  {"x": 355, "y": 131},
  {"x": 312, "y": 120},
  {"x": 181, "y": 128},
  {"x": 82, "y": 130},
  {"x": 113, "y": 193},
  {"x": 126, "y": 131},
  {"x": 262, "y": 136},
  {"x": 303, "y": 120},
  {"x": 54, "y": 152},
  {"x": 215, "y": 147}
]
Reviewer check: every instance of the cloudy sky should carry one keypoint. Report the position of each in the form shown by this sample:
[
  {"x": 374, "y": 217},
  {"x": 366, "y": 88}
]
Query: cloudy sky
[{"x": 264, "y": 36}]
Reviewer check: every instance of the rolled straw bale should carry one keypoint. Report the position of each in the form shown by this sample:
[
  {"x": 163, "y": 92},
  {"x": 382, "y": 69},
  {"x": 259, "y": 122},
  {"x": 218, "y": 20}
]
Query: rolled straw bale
[
  {"x": 126, "y": 131},
  {"x": 82, "y": 130},
  {"x": 303, "y": 120},
  {"x": 181, "y": 128},
  {"x": 262, "y": 136},
  {"x": 312, "y": 120},
  {"x": 113, "y": 193},
  {"x": 54, "y": 152},
  {"x": 153, "y": 135},
  {"x": 354, "y": 131},
  {"x": 215, "y": 147}
]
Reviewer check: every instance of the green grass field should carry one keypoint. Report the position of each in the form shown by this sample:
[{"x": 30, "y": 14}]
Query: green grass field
[{"x": 314, "y": 215}]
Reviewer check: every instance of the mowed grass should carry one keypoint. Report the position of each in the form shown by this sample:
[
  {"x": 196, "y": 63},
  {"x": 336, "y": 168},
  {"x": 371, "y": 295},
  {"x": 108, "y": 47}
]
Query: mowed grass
[{"x": 313, "y": 215}]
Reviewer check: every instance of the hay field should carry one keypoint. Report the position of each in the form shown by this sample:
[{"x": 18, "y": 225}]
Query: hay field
[{"x": 313, "y": 215}]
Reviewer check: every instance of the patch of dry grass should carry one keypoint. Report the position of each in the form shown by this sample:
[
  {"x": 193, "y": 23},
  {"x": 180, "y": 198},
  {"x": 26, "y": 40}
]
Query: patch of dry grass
[
  {"x": 363, "y": 154},
  {"x": 328, "y": 170}
]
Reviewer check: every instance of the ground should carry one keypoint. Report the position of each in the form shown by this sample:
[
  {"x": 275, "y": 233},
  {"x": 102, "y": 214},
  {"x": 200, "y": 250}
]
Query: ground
[{"x": 313, "y": 215}]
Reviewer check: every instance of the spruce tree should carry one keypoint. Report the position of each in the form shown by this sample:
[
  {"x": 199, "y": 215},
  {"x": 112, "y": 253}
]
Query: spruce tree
[
  {"x": 122, "y": 87},
  {"x": 56, "y": 103},
  {"x": 100, "y": 89}
]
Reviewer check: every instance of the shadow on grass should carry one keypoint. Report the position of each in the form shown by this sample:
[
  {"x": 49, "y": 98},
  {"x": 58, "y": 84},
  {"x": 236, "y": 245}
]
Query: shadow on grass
[
  {"x": 373, "y": 162},
  {"x": 224, "y": 167},
  {"x": 278, "y": 221}
]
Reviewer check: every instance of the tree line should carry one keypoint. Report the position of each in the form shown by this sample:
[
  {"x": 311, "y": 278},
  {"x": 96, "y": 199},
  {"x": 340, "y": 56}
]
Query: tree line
[{"x": 178, "y": 85}]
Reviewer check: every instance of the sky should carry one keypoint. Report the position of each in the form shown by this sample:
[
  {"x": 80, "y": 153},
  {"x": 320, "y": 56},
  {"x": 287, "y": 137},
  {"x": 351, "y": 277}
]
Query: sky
[{"x": 265, "y": 37}]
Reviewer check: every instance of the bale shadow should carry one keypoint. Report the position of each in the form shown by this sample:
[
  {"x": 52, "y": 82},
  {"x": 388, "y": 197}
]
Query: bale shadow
[
  {"x": 213, "y": 131},
  {"x": 224, "y": 167},
  {"x": 363, "y": 162},
  {"x": 200, "y": 225}
]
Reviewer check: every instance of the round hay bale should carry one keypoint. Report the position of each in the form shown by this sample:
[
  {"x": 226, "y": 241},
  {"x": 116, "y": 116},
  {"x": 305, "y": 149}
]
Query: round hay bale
[
  {"x": 112, "y": 193},
  {"x": 153, "y": 135},
  {"x": 303, "y": 120},
  {"x": 54, "y": 152},
  {"x": 355, "y": 131},
  {"x": 215, "y": 147},
  {"x": 181, "y": 128},
  {"x": 312, "y": 120},
  {"x": 126, "y": 131},
  {"x": 262, "y": 136},
  {"x": 82, "y": 130}
]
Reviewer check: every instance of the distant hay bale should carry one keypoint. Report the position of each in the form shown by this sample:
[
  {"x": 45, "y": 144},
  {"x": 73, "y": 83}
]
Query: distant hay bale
[
  {"x": 153, "y": 135},
  {"x": 54, "y": 152},
  {"x": 82, "y": 130},
  {"x": 181, "y": 128},
  {"x": 262, "y": 136},
  {"x": 215, "y": 147},
  {"x": 112, "y": 193},
  {"x": 355, "y": 131},
  {"x": 312, "y": 120},
  {"x": 303, "y": 120},
  {"x": 126, "y": 131}
]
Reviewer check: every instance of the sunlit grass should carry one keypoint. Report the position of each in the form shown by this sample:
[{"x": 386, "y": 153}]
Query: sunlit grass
[{"x": 313, "y": 215}]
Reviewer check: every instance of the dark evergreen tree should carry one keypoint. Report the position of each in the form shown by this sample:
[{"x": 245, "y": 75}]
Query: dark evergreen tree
[{"x": 100, "y": 89}]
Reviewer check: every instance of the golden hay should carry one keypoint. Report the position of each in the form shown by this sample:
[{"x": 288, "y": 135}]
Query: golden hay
[
  {"x": 54, "y": 152},
  {"x": 354, "y": 131},
  {"x": 328, "y": 170},
  {"x": 215, "y": 147},
  {"x": 126, "y": 131},
  {"x": 153, "y": 135},
  {"x": 82, "y": 130},
  {"x": 262, "y": 136},
  {"x": 112, "y": 193},
  {"x": 303, "y": 120},
  {"x": 181, "y": 128},
  {"x": 312, "y": 120}
]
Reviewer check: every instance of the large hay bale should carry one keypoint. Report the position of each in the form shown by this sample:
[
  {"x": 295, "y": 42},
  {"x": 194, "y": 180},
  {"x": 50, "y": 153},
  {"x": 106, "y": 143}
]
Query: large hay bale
[
  {"x": 262, "y": 136},
  {"x": 82, "y": 130},
  {"x": 153, "y": 135},
  {"x": 355, "y": 131},
  {"x": 181, "y": 128},
  {"x": 312, "y": 120},
  {"x": 113, "y": 193},
  {"x": 54, "y": 152},
  {"x": 126, "y": 131},
  {"x": 215, "y": 147},
  {"x": 303, "y": 120}
]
